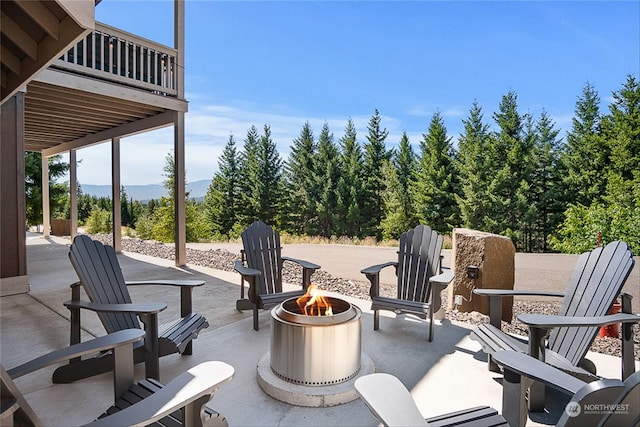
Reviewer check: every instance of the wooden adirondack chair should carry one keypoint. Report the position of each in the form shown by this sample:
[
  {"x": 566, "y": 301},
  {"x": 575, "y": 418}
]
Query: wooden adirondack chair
[
  {"x": 391, "y": 402},
  {"x": 617, "y": 401},
  {"x": 261, "y": 268},
  {"x": 596, "y": 282},
  {"x": 421, "y": 278},
  {"x": 181, "y": 402},
  {"x": 101, "y": 277}
]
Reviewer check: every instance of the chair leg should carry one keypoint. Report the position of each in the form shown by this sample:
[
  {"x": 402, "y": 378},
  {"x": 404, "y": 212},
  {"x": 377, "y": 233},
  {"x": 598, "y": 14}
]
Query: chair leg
[
  {"x": 376, "y": 320},
  {"x": 256, "y": 326},
  {"x": 431, "y": 323},
  {"x": 536, "y": 397}
]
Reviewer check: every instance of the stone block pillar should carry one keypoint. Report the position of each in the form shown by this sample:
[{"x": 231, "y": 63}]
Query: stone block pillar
[{"x": 489, "y": 257}]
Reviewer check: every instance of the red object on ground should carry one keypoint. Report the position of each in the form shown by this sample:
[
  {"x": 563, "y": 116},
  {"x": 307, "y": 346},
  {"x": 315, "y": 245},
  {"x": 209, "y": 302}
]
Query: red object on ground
[{"x": 612, "y": 330}]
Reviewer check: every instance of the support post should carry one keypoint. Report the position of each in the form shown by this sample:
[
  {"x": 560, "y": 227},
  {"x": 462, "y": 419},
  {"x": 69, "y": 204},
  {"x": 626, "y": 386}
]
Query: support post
[
  {"x": 179, "y": 182},
  {"x": 46, "y": 210},
  {"x": 73, "y": 193},
  {"x": 116, "y": 214}
]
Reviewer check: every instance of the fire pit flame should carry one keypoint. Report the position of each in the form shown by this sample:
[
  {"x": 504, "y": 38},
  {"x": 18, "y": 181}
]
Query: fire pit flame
[{"x": 313, "y": 303}]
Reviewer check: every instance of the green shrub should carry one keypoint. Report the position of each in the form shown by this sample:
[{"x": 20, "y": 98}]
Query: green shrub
[{"x": 99, "y": 222}]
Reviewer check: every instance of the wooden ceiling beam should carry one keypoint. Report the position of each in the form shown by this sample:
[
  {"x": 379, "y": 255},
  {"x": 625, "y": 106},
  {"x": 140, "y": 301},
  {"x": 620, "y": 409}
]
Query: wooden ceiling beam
[
  {"x": 19, "y": 37},
  {"x": 10, "y": 60},
  {"x": 42, "y": 16}
]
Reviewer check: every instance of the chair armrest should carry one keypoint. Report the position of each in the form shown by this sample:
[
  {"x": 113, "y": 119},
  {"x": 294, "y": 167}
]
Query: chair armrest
[
  {"x": 181, "y": 283},
  {"x": 495, "y": 301},
  {"x": 107, "y": 342},
  {"x": 510, "y": 293},
  {"x": 141, "y": 308},
  {"x": 375, "y": 269},
  {"x": 548, "y": 322},
  {"x": 183, "y": 392},
  {"x": 536, "y": 370},
  {"x": 389, "y": 400},
  {"x": 302, "y": 263},
  {"x": 443, "y": 278},
  {"x": 244, "y": 270}
]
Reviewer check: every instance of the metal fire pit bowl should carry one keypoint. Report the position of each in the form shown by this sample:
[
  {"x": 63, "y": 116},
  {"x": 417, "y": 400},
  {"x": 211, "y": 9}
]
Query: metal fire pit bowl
[{"x": 316, "y": 350}]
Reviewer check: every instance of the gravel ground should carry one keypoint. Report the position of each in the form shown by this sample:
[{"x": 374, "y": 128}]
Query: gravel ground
[{"x": 223, "y": 260}]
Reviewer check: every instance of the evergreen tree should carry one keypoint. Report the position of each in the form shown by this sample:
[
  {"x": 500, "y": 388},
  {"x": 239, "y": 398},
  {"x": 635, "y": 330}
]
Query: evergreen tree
[
  {"x": 58, "y": 192},
  {"x": 395, "y": 221},
  {"x": 434, "y": 187},
  {"x": 585, "y": 156},
  {"x": 163, "y": 218},
  {"x": 509, "y": 159},
  {"x": 375, "y": 153},
  {"x": 327, "y": 175},
  {"x": 249, "y": 177},
  {"x": 547, "y": 193},
  {"x": 261, "y": 180},
  {"x": 350, "y": 185},
  {"x": 621, "y": 129},
  {"x": 405, "y": 163},
  {"x": 221, "y": 199},
  {"x": 474, "y": 173},
  {"x": 271, "y": 176},
  {"x": 300, "y": 172}
]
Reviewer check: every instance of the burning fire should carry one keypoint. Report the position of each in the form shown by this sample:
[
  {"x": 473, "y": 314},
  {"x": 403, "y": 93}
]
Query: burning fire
[{"x": 313, "y": 303}]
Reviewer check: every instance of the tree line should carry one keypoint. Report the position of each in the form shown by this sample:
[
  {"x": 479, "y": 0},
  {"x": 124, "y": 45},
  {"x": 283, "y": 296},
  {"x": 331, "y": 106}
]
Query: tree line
[{"x": 513, "y": 175}]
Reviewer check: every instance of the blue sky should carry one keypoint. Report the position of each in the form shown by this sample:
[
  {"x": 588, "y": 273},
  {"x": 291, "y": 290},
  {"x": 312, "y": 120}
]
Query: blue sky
[{"x": 286, "y": 63}]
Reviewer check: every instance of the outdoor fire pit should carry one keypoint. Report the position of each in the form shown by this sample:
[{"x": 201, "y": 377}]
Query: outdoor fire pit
[{"x": 316, "y": 351}]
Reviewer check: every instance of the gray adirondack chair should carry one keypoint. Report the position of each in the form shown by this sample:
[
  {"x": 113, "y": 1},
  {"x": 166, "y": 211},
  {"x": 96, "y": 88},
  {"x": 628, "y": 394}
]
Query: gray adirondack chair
[
  {"x": 261, "y": 268},
  {"x": 181, "y": 402},
  {"x": 101, "y": 277},
  {"x": 420, "y": 277},
  {"x": 596, "y": 282},
  {"x": 617, "y": 401},
  {"x": 390, "y": 401}
]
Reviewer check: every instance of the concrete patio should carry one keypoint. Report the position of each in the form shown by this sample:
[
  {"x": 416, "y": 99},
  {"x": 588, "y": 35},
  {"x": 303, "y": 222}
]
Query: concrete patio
[{"x": 444, "y": 375}]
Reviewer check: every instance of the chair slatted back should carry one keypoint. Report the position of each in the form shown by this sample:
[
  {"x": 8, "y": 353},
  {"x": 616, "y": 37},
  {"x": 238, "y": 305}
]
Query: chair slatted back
[
  {"x": 594, "y": 286},
  {"x": 99, "y": 271},
  {"x": 418, "y": 260},
  {"x": 263, "y": 252}
]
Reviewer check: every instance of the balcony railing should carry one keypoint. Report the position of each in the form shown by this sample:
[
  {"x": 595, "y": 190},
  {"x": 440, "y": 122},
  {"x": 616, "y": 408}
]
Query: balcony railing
[{"x": 114, "y": 55}]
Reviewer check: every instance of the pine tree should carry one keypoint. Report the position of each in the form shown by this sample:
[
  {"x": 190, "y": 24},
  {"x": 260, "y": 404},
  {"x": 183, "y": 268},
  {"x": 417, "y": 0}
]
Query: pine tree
[
  {"x": 374, "y": 156},
  {"x": 508, "y": 159},
  {"x": 405, "y": 163},
  {"x": 327, "y": 175},
  {"x": 262, "y": 179},
  {"x": 395, "y": 221},
  {"x": 221, "y": 200},
  {"x": 249, "y": 167},
  {"x": 399, "y": 173},
  {"x": 547, "y": 191},
  {"x": 586, "y": 154},
  {"x": 474, "y": 174},
  {"x": 350, "y": 185},
  {"x": 300, "y": 172},
  {"x": 621, "y": 129},
  {"x": 434, "y": 187},
  {"x": 163, "y": 219},
  {"x": 58, "y": 192}
]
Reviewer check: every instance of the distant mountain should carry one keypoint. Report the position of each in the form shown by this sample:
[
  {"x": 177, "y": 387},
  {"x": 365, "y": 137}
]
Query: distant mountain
[{"x": 196, "y": 189}]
